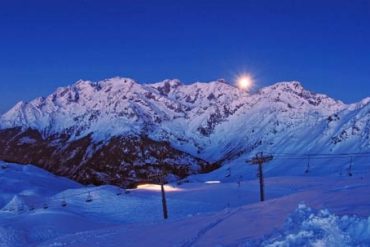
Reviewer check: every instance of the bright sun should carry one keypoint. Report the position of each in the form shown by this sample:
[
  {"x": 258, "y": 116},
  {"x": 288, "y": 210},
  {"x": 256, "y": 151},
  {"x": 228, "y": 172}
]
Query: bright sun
[{"x": 245, "y": 82}]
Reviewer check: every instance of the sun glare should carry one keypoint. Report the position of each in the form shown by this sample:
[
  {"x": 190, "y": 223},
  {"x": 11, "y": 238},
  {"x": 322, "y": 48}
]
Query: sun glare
[{"x": 245, "y": 82}]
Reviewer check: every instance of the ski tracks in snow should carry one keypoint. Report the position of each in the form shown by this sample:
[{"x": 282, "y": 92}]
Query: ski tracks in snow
[{"x": 209, "y": 227}]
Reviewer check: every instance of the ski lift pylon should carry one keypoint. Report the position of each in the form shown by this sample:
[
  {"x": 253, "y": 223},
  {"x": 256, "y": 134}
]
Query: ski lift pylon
[
  {"x": 63, "y": 203},
  {"x": 349, "y": 170},
  {"x": 308, "y": 165},
  {"x": 119, "y": 192},
  {"x": 89, "y": 198}
]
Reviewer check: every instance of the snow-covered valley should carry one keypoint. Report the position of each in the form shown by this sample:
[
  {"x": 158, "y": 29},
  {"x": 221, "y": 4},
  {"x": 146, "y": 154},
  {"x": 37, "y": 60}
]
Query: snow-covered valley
[{"x": 40, "y": 209}]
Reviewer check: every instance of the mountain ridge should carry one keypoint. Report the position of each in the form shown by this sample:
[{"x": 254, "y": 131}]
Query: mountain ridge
[{"x": 204, "y": 123}]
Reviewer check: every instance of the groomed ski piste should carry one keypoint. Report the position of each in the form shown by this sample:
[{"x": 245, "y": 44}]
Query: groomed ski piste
[{"x": 215, "y": 209}]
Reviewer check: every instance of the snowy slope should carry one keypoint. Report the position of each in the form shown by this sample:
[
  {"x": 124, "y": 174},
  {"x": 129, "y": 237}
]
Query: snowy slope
[
  {"x": 201, "y": 214},
  {"x": 205, "y": 123}
]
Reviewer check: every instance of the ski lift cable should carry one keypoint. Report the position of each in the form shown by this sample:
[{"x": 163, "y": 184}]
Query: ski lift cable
[
  {"x": 321, "y": 154},
  {"x": 58, "y": 200},
  {"x": 318, "y": 156}
]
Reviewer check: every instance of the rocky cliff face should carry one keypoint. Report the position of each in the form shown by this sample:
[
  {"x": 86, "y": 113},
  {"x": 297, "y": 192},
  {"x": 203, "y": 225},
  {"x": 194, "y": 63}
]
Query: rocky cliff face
[
  {"x": 119, "y": 131},
  {"x": 119, "y": 160}
]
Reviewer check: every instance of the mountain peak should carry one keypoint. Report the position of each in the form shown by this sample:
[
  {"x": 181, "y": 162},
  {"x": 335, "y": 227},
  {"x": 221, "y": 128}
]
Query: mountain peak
[
  {"x": 116, "y": 82},
  {"x": 282, "y": 89},
  {"x": 287, "y": 86},
  {"x": 166, "y": 86},
  {"x": 81, "y": 83},
  {"x": 167, "y": 83},
  {"x": 294, "y": 94},
  {"x": 221, "y": 80}
]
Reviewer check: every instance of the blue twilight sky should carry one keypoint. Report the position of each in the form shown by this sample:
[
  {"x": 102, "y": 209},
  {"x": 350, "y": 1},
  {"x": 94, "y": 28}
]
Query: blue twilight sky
[{"x": 325, "y": 44}]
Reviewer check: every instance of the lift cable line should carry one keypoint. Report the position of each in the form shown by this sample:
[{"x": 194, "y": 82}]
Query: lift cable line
[
  {"x": 311, "y": 157},
  {"x": 60, "y": 200},
  {"x": 262, "y": 158},
  {"x": 320, "y": 155},
  {"x": 259, "y": 160}
]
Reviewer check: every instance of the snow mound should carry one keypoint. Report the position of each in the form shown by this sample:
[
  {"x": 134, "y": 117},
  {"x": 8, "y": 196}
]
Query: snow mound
[{"x": 308, "y": 227}]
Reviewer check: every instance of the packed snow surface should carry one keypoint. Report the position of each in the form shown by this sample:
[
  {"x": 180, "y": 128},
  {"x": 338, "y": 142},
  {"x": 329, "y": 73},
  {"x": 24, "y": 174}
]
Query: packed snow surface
[{"x": 40, "y": 209}]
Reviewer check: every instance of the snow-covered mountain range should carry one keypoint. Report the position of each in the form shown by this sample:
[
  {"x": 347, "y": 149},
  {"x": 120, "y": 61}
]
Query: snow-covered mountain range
[{"x": 119, "y": 131}]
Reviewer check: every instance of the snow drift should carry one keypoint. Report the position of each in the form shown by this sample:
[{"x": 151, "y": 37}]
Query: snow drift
[{"x": 308, "y": 227}]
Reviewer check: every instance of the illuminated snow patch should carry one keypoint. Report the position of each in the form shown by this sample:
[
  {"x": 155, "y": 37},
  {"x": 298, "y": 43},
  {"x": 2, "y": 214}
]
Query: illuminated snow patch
[
  {"x": 212, "y": 182},
  {"x": 156, "y": 187}
]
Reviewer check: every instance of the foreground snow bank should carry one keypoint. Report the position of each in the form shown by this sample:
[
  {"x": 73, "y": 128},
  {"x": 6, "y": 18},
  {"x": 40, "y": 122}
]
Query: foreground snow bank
[
  {"x": 201, "y": 214},
  {"x": 308, "y": 227}
]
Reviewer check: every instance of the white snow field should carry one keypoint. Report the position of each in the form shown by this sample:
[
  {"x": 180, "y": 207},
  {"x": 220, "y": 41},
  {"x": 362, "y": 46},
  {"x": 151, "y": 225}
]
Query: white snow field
[{"x": 40, "y": 209}]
